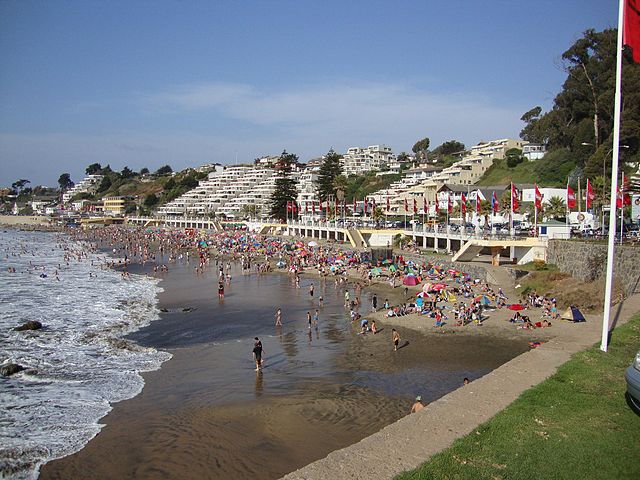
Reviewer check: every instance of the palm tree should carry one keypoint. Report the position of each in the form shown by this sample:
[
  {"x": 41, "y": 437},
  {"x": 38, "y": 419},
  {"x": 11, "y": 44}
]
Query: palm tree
[{"x": 556, "y": 208}]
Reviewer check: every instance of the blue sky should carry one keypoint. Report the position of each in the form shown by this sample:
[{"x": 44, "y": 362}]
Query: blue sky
[{"x": 145, "y": 83}]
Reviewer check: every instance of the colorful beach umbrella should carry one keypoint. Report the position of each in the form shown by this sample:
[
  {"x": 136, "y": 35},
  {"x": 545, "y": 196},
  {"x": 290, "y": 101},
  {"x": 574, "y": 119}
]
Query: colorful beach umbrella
[
  {"x": 410, "y": 280},
  {"x": 515, "y": 307}
]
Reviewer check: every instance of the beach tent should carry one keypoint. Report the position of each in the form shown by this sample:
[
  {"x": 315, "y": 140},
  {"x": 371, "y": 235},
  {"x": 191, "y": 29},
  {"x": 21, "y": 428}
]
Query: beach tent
[
  {"x": 410, "y": 280},
  {"x": 281, "y": 264},
  {"x": 376, "y": 271},
  {"x": 484, "y": 300},
  {"x": 313, "y": 243},
  {"x": 573, "y": 314}
]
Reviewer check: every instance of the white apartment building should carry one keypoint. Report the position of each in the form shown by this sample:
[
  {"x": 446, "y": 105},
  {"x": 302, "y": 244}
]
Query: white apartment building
[
  {"x": 88, "y": 184},
  {"x": 359, "y": 160},
  {"x": 533, "y": 151},
  {"x": 227, "y": 192}
]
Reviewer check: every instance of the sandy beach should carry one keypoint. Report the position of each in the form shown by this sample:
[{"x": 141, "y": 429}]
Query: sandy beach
[{"x": 207, "y": 414}]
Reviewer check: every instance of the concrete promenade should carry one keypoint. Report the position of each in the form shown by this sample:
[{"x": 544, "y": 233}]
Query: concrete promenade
[{"x": 412, "y": 440}]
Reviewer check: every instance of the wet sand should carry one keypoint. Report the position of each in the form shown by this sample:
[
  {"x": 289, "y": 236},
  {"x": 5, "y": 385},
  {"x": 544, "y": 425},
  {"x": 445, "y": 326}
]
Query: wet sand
[{"x": 207, "y": 414}]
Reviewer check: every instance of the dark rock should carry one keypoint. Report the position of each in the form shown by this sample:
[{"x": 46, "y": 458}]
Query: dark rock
[
  {"x": 164, "y": 310},
  {"x": 10, "y": 368},
  {"x": 30, "y": 325}
]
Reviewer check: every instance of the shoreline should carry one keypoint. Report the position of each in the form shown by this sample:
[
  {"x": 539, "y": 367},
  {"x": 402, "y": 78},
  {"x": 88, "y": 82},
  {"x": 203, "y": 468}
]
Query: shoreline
[{"x": 123, "y": 413}]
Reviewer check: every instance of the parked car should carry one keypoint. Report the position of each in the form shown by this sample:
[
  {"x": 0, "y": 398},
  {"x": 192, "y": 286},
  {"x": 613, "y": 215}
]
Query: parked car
[{"x": 632, "y": 376}]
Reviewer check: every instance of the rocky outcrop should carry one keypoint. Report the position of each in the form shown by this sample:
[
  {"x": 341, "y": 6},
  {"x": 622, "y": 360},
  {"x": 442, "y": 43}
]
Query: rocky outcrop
[
  {"x": 10, "y": 368},
  {"x": 30, "y": 325}
]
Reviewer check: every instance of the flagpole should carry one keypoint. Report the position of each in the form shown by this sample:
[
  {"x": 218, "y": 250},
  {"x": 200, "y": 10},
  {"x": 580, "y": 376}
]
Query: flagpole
[
  {"x": 614, "y": 185},
  {"x": 621, "y": 206},
  {"x": 511, "y": 216}
]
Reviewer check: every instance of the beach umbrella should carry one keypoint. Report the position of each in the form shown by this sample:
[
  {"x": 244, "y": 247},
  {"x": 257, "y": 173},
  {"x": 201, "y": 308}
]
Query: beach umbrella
[
  {"x": 313, "y": 243},
  {"x": 410, "y": 280},
  {"x": 386, "y": 261},
  {"x": 376, "y": 271},
  {"x": 515, "y": 307},
  {"x": 281, "y": 264},
  {"x": 452, "y": 271},
  {"x": 573, "y": 314},
  {"x": 426, "y": 287},
  {"x": 439, "y": 287},
  {"x": 485, "y": 300},
  {"x": 392, "y": 268}
]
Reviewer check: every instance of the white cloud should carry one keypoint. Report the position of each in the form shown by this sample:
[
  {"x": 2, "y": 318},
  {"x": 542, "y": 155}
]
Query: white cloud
[{"x": 251, "y": 122}]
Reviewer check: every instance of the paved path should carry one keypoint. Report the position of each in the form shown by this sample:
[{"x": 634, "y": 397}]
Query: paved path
[{"x": 412, "y": 440}]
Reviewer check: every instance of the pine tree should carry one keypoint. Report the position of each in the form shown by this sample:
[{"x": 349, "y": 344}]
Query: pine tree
[
  {"x": 329, "y": 170},
  {"x": 285, "y": 186}
]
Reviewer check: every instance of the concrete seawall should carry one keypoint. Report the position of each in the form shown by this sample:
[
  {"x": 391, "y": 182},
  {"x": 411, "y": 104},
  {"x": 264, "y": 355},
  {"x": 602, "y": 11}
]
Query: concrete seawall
[{"x": 586, "y": 261}]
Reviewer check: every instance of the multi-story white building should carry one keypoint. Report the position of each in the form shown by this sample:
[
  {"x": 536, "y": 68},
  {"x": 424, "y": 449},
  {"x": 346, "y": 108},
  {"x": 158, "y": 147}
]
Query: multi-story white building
[
  {"x": 88, "y": 184},
  {"x": 359, "y": 160},
  {"x": 533, "y": 151}
]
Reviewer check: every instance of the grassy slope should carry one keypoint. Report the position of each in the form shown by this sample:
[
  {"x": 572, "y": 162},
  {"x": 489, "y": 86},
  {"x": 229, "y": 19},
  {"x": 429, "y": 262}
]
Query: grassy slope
[
  {"x": 575, "y": 425},
  {"x": 500, "y": 174}
]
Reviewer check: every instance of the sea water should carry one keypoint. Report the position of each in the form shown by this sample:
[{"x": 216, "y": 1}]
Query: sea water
[{"x": 78, "y": 364}]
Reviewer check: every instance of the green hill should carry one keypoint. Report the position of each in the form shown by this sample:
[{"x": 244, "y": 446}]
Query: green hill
[{"x": 550, "y": 171}]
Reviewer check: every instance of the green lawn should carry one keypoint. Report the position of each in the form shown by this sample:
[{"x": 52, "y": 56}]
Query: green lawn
[{"x": 575, "y": 425}]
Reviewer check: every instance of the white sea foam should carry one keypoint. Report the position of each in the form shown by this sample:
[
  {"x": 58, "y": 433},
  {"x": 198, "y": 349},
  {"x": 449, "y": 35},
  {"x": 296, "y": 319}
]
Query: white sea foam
[{"x": 77, "y": 364}]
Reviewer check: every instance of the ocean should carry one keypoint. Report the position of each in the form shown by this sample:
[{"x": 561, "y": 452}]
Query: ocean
[{"x": 78, "y": 364}]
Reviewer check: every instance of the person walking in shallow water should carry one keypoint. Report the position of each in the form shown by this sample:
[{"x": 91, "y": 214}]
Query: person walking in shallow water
[
  {"x": 417, "y": 406},
  {"x": 257, "y": 353},
  {"x": 395, "y": 336},
  {"x": 278, "y": 317}
]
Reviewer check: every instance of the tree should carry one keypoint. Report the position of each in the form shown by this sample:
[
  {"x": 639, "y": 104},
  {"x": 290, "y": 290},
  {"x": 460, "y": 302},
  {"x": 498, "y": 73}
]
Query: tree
[
  {"x": 164, "y": 170},
  {"x": 285, "y": 186},
  {"x": 144, "y": 171},
  {"x": 105, "y": 184},
  {"x": 556, "y": 208},
  {"x": 189, "y": 182},
  {"x": 249, "y": 210},
  {"x": 169, "y": 184},
  {"x": 421, "y": 148},
  {"x": 65, "y": 182},
  {"x": 93, "y": 169},
  {"x": 447, "y": 149},
  {"x": 513, "y": 157},
  {"x": 126, "y": 173},
  {"x": 403, "y": 157},
  {"x": 150, "y": 200},
  {"x": 18, "y": 185},
  {"x": 329, "y": 170},
  {"x": 582, "y": 111}
]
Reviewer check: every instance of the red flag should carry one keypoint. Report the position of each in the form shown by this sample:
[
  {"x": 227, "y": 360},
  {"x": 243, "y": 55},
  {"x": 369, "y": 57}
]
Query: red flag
[
  {"x": 449, "y": 203},
  {"x": 388, "y": 204},
  {"x": 406, "y": 206},
  {"x": 622, "y": 198},
  {"x": 495, "y": 204},
  {"x": 538, "y": 197},
  {"x": 415, "y": 206},
  {"x": 306, "y": 207},
  {"x": 288, "y": 206},
  {"x": 631, "y": 27},
  {"x": 313, "y": 207},
  {"x": 425, "y": 205},
  {"x": 571, "y": 198},
  {"x": 463, "y": 204},
  {"x": 365, "y": 206},
  {"x": 514, "y": 198},
  {"x": 590, "y": 194}
]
